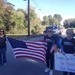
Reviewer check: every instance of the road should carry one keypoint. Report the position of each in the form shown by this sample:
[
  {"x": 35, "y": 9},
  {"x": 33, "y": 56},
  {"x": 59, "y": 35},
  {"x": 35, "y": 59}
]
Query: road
[{"x": 24, "y": 66}]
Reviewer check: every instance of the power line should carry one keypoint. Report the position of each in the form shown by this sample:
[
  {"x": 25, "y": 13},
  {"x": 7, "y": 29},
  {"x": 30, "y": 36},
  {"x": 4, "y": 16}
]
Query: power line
[{"x": 38, "y": 6}]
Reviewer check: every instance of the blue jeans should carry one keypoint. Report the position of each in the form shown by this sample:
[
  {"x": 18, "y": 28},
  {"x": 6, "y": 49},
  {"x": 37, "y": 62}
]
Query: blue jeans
[
  {"x": 50, "y": 60},
  {"x": 2, "y": 55}
]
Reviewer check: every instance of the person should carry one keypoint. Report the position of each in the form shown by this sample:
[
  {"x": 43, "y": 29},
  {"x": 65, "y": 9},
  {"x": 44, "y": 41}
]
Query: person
[
  {"x": 51, "y": 45},
  {"x": 2, "y": 47},
  {"x": 68, "y": 46},
  {"x": 58, "y": 41},
  {"x": 44, "y": 34}
]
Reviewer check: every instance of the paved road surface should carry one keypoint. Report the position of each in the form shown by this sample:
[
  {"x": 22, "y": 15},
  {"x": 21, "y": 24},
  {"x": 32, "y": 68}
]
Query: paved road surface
[{"x": 23, "y": 66}]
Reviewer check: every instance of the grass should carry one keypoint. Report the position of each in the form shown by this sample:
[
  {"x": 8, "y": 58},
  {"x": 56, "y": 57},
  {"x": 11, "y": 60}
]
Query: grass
[{"x": 23, "y": 37}]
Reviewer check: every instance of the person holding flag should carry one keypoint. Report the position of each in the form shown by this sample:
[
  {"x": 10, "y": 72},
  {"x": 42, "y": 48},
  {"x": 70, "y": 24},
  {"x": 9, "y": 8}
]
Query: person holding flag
[
  {"x": 51, "y": 46},
  {"x": 3, "y": 47}
]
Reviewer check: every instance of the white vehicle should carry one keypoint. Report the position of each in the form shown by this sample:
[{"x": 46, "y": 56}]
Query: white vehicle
[{"x": 56, "y": 29}]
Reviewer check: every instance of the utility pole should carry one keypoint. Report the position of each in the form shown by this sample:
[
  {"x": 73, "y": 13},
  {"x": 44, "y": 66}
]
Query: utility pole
[{"x": 28, "y": 17}]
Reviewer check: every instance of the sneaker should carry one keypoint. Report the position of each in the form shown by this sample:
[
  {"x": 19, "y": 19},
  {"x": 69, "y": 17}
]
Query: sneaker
[
  {"x": 47, "y": 70},
  {"x": 51, "y": 72}
]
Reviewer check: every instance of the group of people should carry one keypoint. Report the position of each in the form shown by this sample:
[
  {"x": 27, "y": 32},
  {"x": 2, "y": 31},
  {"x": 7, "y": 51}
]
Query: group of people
[{"x": 55, "y": 42}]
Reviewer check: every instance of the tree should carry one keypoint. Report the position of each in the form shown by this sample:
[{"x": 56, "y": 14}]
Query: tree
[
  {"x": 50, "y": 19},
  {"x": 69, "y": 23},
  {"x": 45, "y": 20},
  {"x": 7, "y": 16},
  {"x": 2, "y": 5},
  {"x": 57, "y": 18},
  {"x": 33, "y": 15},
  {"x": 34, "y": 21}
]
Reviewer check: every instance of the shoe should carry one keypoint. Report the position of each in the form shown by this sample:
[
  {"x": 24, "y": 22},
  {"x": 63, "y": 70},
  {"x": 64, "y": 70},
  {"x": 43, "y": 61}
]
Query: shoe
[
  {"x": 47, "y": 70},
  {"x": 51, "y": 72}
]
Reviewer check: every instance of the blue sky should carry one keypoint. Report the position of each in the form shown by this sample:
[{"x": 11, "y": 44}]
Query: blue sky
[{"x": 49, "y": 7}]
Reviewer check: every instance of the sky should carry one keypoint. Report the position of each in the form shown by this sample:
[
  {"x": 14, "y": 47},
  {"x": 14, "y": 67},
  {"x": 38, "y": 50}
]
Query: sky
[{"x": 48, "y": 7}]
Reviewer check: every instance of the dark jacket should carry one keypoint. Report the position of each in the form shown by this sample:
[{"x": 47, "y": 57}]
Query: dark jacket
[
  {"x": 50, "y": 43},
  {"x": 2, "y": 42}
]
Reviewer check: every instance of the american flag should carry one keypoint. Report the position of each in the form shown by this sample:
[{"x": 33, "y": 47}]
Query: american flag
[{"x": 30, "y": 49}]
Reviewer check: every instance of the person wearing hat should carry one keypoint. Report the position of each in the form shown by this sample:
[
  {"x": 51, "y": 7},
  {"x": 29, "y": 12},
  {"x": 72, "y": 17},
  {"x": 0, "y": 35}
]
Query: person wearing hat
[
  {"x": 68, "y": 46},
  {"x": 51, "y": 44},
  {"x": 2, "y": 47}
]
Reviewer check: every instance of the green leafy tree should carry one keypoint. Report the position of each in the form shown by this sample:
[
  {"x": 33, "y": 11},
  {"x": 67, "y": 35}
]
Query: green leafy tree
[
  {"x": 50, "y": 18},
  {"x": 2, "y": 5},
  {"x": 57, "y": 18},
  {"x": 45, "y": 20},
  {"x": 7, "y": 17},
  {"x": 34, "y": 20},
  {"x": 69, "y": 23}
]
